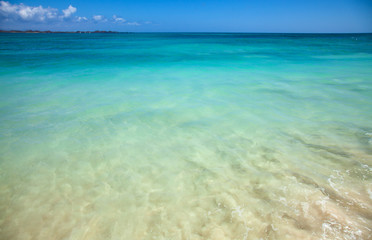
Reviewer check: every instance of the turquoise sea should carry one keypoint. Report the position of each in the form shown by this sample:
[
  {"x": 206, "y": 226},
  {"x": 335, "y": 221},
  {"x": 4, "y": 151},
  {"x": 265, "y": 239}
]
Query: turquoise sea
[{"x": 185, "y": 136}]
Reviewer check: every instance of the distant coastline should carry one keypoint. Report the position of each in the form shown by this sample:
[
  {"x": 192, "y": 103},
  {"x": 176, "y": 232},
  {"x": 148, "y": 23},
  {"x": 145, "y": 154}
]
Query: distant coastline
[
  {"x": 38, "y": 31},
  {"x": 252, "y": 33}
]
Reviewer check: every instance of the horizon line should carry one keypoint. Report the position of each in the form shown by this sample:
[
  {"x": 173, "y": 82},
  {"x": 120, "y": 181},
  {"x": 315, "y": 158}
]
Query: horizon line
[{"x": 112, "y": 31}]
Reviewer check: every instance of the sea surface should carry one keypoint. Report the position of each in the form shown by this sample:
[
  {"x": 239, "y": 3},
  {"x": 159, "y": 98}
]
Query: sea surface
[{"x": 185, "y": 136}]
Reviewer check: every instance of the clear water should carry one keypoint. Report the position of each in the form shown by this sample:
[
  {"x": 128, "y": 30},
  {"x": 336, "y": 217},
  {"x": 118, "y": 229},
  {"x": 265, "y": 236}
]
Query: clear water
[{"x": 185, "y": 136}]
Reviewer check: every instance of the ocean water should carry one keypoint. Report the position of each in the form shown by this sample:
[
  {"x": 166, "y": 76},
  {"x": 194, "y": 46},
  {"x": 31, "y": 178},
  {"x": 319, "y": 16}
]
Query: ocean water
[{"x": 185, "y": 136}]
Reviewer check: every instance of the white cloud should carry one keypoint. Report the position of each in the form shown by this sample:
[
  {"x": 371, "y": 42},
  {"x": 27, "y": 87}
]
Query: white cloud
[
  {"x": 69, "y": 11},
  {"x": 118, "y": 19},
  {"x": 98, "y": 18},
  {"x": 6, "y": 8},
  {"x": 81, "y": 19},
  {"x": 26, "y": 13}
]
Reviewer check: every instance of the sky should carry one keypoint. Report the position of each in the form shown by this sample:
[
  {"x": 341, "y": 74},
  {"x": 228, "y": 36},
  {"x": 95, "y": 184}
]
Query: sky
[{"x": 285, "y": 16}]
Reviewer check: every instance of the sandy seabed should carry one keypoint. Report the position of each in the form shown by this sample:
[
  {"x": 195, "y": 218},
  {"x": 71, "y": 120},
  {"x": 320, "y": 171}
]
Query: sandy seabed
[{"x": 189, "y": 185}]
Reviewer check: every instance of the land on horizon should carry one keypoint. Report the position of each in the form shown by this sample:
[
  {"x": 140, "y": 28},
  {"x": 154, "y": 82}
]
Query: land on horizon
[{"x": 104, "y": 31}]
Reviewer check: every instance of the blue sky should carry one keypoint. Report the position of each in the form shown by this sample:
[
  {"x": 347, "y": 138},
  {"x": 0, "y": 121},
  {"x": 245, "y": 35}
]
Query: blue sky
[{"x": 189, "y": 16}]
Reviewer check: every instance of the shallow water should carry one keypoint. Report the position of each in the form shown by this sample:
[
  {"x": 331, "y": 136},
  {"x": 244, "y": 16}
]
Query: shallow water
[{"x": 185, "y": 136}]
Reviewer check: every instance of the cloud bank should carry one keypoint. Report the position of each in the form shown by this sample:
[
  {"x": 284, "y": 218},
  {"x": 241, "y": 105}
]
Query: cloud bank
[{"x": 23, "y": 14}]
